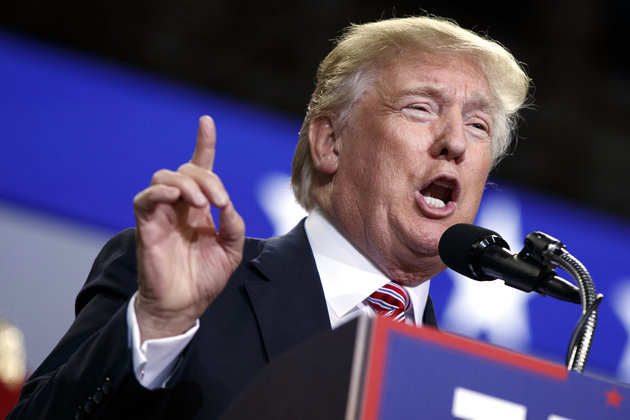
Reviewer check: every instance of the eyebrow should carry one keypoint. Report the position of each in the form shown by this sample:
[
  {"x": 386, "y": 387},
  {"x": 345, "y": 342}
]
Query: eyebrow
[
  {"x": 481, "y": 102},
  {"x": 477, "y": 101},
  {"x": 431, "y": 91}
]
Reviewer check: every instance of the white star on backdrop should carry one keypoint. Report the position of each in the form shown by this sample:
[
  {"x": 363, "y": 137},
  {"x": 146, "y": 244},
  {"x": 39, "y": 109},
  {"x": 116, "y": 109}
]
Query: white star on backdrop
[{"x": 278, "y": 202}]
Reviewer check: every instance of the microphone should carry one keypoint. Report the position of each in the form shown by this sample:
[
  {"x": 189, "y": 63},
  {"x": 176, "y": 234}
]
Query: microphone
[{"x": 482, "y": 255}]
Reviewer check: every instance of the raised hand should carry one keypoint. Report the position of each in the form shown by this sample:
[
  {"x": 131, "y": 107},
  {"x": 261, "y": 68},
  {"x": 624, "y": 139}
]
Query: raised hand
[{"x": 184, "y": 261}]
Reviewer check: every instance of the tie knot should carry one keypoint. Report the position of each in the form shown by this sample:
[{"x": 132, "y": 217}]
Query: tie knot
[{"x": 391, "y": 300}]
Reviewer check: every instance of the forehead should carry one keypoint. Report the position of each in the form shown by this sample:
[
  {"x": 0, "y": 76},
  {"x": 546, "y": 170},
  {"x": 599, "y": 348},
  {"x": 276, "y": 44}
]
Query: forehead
[{"x": 446, "y": 77}]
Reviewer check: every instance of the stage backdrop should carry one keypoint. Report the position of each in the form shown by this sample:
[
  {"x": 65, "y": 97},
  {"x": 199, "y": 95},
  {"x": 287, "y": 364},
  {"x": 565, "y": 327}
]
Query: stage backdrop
[{"x": 81, "y": 136}]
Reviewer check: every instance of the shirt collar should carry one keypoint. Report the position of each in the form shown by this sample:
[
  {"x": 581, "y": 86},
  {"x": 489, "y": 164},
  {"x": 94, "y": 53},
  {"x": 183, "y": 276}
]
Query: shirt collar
[{"x": 347, "y": 276}]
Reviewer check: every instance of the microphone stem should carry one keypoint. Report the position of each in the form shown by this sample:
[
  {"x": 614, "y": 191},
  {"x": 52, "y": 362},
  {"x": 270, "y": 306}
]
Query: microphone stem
[{"x": 580, "y": 347}]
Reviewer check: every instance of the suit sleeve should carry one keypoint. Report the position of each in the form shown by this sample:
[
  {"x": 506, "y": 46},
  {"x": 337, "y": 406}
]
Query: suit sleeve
[{"x": 89, "y": 373}]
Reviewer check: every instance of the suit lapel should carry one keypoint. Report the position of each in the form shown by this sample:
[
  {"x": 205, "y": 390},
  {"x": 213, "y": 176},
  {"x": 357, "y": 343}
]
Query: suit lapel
[{"x": 289, "y": 303}]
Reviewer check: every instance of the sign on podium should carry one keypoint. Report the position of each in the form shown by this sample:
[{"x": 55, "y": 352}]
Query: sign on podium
[{"x": 374, "y": 368}]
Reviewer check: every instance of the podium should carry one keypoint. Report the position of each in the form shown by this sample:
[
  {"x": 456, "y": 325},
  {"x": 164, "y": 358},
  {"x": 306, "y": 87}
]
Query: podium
[{"x": 374, "y": 368}]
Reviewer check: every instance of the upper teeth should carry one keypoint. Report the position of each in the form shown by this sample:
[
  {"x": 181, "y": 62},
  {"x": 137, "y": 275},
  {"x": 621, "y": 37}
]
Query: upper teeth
[{"x": 434, "y": 202}]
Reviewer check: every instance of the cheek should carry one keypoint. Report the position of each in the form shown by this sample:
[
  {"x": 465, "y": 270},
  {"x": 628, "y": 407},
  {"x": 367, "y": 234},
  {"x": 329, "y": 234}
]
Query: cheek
[
  {"x": 477, "y": 172},
  {"x": 481, "y": 158},
  {"x": 372, "y": 157}
]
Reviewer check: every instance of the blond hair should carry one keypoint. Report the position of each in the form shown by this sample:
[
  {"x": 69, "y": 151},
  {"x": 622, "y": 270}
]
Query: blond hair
[{"x": 349, "y": 70}]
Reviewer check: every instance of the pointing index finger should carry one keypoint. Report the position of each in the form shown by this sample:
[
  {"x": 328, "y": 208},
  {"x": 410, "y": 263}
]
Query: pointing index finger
[{"x": 203, "y": 155}]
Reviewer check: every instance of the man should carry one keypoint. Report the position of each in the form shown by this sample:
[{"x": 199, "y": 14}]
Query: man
[{"x": 176, "y": 317}]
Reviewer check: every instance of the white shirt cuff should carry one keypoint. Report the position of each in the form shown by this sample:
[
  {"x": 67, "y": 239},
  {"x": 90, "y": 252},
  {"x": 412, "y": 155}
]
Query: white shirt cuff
[{"x": 154, "y": 360}]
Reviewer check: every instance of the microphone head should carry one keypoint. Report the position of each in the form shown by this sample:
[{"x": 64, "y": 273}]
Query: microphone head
[{"x": 461, "y": 244}]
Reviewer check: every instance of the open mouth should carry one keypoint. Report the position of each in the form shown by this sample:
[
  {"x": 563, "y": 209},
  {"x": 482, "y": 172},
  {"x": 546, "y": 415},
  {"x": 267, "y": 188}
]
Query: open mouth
[{"x": 439, "y": 192}]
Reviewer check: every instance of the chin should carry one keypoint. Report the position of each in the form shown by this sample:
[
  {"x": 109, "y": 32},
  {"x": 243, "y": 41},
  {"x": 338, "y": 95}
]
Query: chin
[
  {"x": 430, "y": 234},
  {"x": 418, "y": 271},
  {"x": 425, "y": 244}
]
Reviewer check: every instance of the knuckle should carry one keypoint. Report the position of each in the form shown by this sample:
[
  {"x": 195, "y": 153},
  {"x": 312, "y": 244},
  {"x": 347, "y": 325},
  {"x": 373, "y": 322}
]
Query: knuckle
[
  {"x": 185, "y": 167},
  {"x": 160, "y": 176},
  {"x": 141, "y": 197},
  {"x": 212, "y": 180}
]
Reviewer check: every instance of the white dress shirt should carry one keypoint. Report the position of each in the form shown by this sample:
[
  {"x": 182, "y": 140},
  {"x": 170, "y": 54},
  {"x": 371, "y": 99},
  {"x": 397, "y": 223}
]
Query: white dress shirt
[{"x": 347, "y": 277}]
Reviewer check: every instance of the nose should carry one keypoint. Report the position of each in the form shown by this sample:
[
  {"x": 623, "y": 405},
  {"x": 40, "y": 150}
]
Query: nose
[{"x": 449, "y": 138}]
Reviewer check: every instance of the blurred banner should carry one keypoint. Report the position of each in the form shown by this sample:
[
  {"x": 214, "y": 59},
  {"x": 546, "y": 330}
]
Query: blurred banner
[{"x": 81, "y": 136}]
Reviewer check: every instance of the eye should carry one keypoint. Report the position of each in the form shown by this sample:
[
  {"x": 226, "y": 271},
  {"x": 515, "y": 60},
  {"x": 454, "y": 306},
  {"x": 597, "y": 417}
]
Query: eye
[
  {"x": 423, "y": 108},
  {"x": 419, "y": 111},
  {"x": 479, "y": 126}
]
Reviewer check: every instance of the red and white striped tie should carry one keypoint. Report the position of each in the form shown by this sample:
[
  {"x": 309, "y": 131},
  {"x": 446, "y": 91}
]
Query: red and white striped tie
[{"x": 391, "y": 300}]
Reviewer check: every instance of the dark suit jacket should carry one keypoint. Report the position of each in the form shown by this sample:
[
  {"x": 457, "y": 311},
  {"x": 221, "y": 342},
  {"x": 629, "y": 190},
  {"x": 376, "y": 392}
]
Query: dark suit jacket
[{"x": 273, "y": 301}]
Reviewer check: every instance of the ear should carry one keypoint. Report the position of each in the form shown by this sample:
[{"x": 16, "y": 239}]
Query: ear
[{"x": 324, "y": 144}]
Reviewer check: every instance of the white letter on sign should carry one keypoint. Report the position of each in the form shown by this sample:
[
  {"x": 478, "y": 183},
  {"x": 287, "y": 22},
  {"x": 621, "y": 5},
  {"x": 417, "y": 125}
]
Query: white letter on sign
[{"x": 471, "y": 405}]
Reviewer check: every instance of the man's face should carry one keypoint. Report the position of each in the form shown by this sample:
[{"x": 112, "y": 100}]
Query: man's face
[{"x": 413, "y": 160}]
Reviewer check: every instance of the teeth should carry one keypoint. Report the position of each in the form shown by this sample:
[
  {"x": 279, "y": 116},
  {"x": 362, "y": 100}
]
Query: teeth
[{"x": 434, "y": 202}]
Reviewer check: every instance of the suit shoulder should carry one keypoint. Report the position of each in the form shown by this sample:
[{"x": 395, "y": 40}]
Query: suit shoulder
[
  {"x": 252, "y": 248},
  {"x": 113, "y": 271}
]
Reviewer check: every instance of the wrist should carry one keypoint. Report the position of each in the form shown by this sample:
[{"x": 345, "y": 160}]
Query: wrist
[{"x": 155, "y": 324}]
